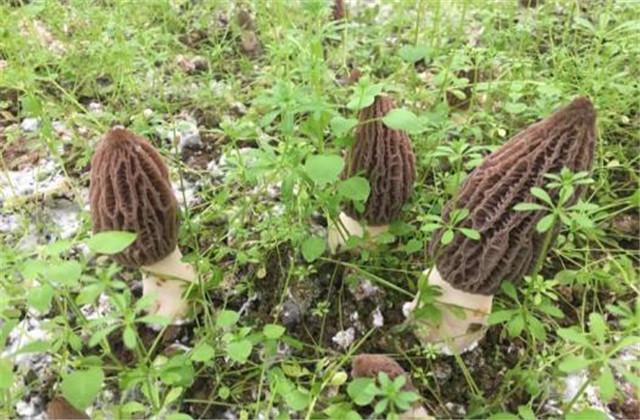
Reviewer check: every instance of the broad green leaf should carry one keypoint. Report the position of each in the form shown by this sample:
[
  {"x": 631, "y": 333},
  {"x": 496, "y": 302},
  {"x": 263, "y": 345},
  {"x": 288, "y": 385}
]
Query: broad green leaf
[
  {"x": 413, "y": 53},
  {"x": 514, "y": 108},
  {"x": 587, "y": 414},
  {"x": 598, "y": 327},
  {"x": 40, "y": 298},
  {"x": 6, "y": 374},
  {"x": 362, "y": 391},
  {"x": 312, "y": 248},
  {"x": 341, "y": 126},
  {"x": 515, "y": 326},
  {"x": 239, "y": 351},
  {"x": 156, "y": 320},
  {"x": 402, "y": 119},
  {"x": 110, "y": 242},
  {"x": 545, "y": 223},
  {"x": 100, "y": 335},
  {"x": 471, "y": 233},
  {"x": 509, "y": 289},
  {"x": 227, "y": 318},
  {"x": 324, "y": 169},
  {"x": 607, "y": 384},
  {"x": 526, "y": 412},
  {"x": 573, "y": 363},
  {"x": 90, "y": 293},
  {"x": 31, "y": 105},
  {"x": 202, "y": 353},
  {"x": 504, "y": 416},
  {"x": 499, "y": 317},
  {"x": 541, "y": 194},
  {"x": 65, "y": 272},
  {"x": 355, "y": 188},
  {"x": 297, "y": 400},
  {"x": 82, "y": 386},
  {"x": 129, "y": 337},
  {"x": 528, "y": 207},
  {"x": 273, "y": 331},
  {"x": 536, "y": 328},
  {"x": 414, "y": 245},
  {"x": 447, "y": 237},
  {"x": 381, "y": 406},
  {"x": 573, "y": 336},
  {"x": 178, "y": 416}
]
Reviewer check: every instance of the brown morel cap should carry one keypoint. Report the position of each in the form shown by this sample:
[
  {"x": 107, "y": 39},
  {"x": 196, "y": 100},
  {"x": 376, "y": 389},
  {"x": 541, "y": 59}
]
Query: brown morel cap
[
  {"x": 509, "y": 243},
  {"x": 383, "y": 156},
  {"x": 338, "y": 9},
  {"x": 60, "y": 409},
  {"x": 130, "y": 191},
  {"x": 369, "y": 365}
]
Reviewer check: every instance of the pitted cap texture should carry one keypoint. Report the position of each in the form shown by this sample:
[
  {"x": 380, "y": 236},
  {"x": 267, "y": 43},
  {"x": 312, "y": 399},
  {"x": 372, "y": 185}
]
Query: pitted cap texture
[
  {"x": 369, "y": 365},
  {"x": 130, "y": 191},
  {"x": 384, "y": 156},
  {"x": 509, "y": 243}
]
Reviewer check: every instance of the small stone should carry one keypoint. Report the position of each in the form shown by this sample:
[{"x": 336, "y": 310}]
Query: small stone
[
  {"x": 378, "y": 319},
  {"x": 364, "y": 290},
  {"x": 291, "y": 313},
  {"x": 441, "y": 371},
  {"x": 344, "y": 338},
  {"x": 239, "y": 108},
  {"x": 249, "y": 42},
  {"x": 30, "y": 124},
  {"x": 95, "y": 107}
]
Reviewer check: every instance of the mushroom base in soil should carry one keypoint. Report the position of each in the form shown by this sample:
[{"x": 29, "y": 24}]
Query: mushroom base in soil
[
  {"x": 464, "y": 317},
  {"x": 167, "y": 281},
  {"x": 338, "y": 233}
]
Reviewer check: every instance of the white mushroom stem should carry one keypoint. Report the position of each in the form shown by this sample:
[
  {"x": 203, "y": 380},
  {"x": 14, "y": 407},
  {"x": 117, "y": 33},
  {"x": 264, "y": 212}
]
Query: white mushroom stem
[
  {"x": 417, "y": 411},
  {"x": 338, "y": 233},
  {"x": 464, "y": 317},
  {"x": 167, "y": 280}
]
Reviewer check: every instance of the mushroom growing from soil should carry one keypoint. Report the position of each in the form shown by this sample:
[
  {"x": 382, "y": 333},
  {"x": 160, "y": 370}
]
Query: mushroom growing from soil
[
  {"x": 130, "y": 191},
  {"x": 60, "y": 409},
  {"x": 384, "y": 156},
  {"x": 369, "y": 365},
  {"x": 469, "y": 272}
]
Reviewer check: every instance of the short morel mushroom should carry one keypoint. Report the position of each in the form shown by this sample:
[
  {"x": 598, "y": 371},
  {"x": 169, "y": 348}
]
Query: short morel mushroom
[
  {"x": 370, "y": 365},
  {"x": 60, "y": 409},
  {"x": 130, "y": 191},
  {"x": 385, "y": 157},
  {"x": 470, "y": 271}
]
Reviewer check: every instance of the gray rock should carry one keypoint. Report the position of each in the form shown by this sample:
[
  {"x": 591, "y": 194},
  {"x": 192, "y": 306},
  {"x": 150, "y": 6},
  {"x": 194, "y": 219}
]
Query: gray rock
[{"x": 30, "y": 124}]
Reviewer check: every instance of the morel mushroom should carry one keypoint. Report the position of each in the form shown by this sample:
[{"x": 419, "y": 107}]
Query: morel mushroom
[
  {"x": 60, "y": 409},
  {"x": 338, "y": 10},
  {"x": 384, "y": 156},
  {"x": 370, "y": 365},
  {"x": 130, "y": 191},
  {"x": 469, "y": 271}
]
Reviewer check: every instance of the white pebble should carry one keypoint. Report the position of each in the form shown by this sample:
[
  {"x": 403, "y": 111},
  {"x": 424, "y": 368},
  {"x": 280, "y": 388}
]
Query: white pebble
[
  {"x": 344, "y": 338},
  {"x": 30, "y": 124}
]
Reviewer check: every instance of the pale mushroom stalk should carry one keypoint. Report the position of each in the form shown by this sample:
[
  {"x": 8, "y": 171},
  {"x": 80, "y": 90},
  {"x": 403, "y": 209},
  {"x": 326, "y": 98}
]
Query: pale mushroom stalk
[
  {"x": 383, "y": 156},
  {"x": 469, "y": 272},
  {"x": 130, "y": 191},
  {"x": 166, "y": 280}
]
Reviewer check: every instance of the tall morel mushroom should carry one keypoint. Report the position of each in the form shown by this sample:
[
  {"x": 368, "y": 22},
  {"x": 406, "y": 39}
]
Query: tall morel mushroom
[
  {"x": 385, "y": 157},
  {"x": 469, "y": 271},
  {"x": 130, "y": 191}
]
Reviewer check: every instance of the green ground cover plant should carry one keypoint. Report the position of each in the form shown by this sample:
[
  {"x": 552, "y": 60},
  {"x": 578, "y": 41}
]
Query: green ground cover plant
[{"x": 253, "y": 106}]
